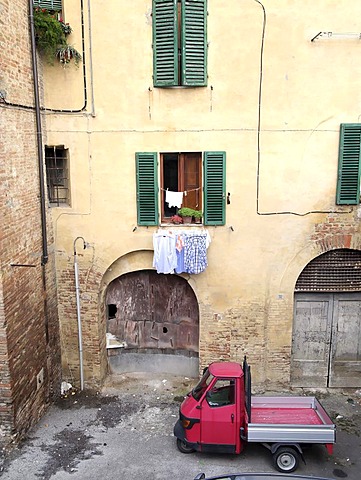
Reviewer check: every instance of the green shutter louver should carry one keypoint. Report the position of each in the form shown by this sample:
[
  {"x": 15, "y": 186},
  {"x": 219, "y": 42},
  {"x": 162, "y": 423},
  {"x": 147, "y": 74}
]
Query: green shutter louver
[
  {"x": 214, "y": 188},
  {"x": 194, "y": 42},
  {"x": 48, "y": 4},
  {"x": 165, "y": 43},
  {"x": 348, "y": 181},
  {"x": 147, "y": 188}
]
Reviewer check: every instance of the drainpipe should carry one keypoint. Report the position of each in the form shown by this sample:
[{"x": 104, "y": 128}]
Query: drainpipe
[
  {"x": 45, "y": 257},
  {"x": 77, "y": 292}
]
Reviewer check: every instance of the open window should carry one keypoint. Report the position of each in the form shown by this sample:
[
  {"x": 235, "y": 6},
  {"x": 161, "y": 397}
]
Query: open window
[
  {"x": 200, "y": 176},
  {"x": 222, "y": 393},
  {"x": 181, "y": 172}
]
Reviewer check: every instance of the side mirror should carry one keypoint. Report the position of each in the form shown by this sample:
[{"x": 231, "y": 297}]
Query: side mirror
[{"x": 200, "y": 476}]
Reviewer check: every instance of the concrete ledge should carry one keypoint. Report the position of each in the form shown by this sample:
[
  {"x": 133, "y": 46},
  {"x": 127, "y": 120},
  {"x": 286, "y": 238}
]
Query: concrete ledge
[{"x": 155, "y": 363}]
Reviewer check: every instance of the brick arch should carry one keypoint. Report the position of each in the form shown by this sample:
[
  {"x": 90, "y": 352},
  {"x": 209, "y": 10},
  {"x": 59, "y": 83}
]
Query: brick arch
[
  {"x": 332, "y": 234},
  {"x": 176, "y": 356},
  {"x": 335, "y": 270}
]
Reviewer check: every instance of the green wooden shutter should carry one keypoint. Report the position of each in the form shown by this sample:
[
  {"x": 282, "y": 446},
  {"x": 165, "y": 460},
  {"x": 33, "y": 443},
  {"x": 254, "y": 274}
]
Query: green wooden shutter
[
  {"x": 48, "y": 4},
  {"x": 214, "y": 165},
  {"x": 165, "y": 43},
  {"x": 147, "y": 188},
  {"x": 194, "y": 42},
  {"x": 348, "y": 181}
]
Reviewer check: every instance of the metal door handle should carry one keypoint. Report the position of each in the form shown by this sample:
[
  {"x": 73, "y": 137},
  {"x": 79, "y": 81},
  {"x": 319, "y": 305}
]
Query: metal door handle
[{"x": 232, "y": 417}]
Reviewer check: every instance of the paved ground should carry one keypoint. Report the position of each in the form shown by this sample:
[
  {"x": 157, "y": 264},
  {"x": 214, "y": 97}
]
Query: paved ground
[{"x": 125, "y": 432}]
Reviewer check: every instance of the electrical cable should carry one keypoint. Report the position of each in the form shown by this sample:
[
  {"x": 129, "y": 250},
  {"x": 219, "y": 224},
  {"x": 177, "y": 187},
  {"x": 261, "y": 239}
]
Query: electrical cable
[
  {"x": 55, "y": 110},
  {"x": 259, "y": 134}
]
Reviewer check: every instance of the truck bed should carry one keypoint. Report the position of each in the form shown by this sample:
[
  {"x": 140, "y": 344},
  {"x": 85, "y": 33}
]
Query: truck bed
[{"x": 289, "y": 419}]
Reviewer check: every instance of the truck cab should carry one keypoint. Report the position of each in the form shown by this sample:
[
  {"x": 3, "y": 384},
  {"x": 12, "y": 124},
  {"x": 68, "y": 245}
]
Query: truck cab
[
  {"x": 213, "y": 413},
  {"x": 220, "y": 415}
]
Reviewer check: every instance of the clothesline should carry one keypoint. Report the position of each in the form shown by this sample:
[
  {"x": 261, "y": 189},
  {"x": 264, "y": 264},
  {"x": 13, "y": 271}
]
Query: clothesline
[
  {"x": 185, "y": 192},
  {"x": 175, "y": 199}
]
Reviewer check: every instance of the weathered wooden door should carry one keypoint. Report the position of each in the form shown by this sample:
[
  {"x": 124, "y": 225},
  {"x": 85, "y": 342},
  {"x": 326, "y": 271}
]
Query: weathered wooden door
[
  {"x": 345, "y": 365},
  {"x": 148, "y": 311},
  {"x": 326, "y": 342}
]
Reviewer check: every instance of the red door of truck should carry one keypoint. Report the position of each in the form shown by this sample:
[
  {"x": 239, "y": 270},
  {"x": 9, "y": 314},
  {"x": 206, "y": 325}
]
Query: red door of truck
[{"x": 219, "y": 424}]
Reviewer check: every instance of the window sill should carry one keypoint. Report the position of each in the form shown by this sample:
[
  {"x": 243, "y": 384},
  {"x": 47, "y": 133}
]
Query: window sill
[
  {"x": 179, "y": 86},
  {"x": 181, "y": 225}
]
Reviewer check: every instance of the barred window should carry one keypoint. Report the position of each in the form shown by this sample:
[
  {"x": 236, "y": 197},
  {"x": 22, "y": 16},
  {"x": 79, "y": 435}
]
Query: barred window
[{"x": 57, "y": 175}]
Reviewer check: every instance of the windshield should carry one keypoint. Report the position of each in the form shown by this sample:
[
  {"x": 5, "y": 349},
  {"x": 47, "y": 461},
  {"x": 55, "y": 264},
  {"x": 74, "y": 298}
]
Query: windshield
[{"x": 202, "y": 385}]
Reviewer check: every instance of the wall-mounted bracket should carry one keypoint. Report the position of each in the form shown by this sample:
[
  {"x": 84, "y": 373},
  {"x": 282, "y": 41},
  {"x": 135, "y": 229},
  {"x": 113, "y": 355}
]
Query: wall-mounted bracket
[{"x": 333, "y": 35}]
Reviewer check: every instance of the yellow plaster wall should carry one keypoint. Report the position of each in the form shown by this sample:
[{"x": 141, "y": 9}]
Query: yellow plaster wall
[{"x": 298, "y": 93}]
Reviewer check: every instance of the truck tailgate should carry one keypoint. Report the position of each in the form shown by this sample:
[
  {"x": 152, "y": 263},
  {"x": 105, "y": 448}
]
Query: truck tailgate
[{"x": 289, "y": 419}]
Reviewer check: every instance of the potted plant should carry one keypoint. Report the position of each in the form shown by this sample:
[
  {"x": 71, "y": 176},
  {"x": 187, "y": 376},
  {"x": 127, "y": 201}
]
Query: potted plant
[
  {"x": 51, "y": 37},
  {"x": 65, "y": 54},
  {"x": 176, "y": 219},
  {"x": 186, "y": 213},
  {"x": 197, "y": 214}
]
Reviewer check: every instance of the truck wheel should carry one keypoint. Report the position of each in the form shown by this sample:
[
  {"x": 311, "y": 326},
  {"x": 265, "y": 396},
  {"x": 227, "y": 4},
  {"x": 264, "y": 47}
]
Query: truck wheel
[
  {"x": 183, "y": 447},
  {"x": 286, "y": 459}
]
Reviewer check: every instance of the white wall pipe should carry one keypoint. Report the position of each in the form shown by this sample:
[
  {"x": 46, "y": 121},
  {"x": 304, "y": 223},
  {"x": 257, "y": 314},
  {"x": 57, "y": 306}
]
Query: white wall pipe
[{"x": 77, "y": 293}]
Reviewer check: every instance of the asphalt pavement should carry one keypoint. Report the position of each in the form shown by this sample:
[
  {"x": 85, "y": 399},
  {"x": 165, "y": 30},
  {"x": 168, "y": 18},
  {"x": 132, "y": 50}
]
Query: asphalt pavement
[{"x": 126, "y": 432}]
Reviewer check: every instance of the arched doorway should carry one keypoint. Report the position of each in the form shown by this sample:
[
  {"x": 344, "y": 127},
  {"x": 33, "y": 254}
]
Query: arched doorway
[
  {"x": 326, "y": 340},
  {"x": 152, "y": 324}
]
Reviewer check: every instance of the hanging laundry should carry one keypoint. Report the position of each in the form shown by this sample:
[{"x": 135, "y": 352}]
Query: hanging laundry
[
  {"x": 195, "y": 253},
  {"x": 174, "y": 199},
  {"x": 165, "y": 257},
  {"x": 180, "y": 243}
]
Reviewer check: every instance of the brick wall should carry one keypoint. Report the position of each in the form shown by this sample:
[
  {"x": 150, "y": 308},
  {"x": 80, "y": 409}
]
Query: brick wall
[
  {"x": 92, "y": 320},
  {"x": 29, "y": 333}
]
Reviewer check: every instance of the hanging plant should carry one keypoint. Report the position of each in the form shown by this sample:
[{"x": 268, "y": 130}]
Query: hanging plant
[
  {"x": 65, "y": 54},
  {"x": 50, "y": 37}
]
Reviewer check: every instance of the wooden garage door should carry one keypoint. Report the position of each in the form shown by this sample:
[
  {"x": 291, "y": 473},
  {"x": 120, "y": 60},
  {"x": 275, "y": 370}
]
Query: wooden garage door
[{"x": 326, "y": 343}]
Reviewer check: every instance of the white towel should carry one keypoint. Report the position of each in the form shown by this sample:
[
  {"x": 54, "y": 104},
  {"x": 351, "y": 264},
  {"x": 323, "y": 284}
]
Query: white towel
[{"x": 174, "y": 199}]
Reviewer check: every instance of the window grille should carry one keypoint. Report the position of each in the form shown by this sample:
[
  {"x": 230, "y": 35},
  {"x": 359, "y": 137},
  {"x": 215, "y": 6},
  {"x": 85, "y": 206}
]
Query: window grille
[
  {"x": 335, "y": 271},
  {"x": 56, "y": 163}
]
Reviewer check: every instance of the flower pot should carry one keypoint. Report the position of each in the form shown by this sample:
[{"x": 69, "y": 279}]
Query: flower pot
[
  {"x": 187, "y": 219},
  {"x": 197, "y": 220}
]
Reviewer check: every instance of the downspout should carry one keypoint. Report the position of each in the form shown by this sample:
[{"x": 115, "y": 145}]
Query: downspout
[
  {"x": 77, "y": 293},
  {"x": 45, "y": 257}
]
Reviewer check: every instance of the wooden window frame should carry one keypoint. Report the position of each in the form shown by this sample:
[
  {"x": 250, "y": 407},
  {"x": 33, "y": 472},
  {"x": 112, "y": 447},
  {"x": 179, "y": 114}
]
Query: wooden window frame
[{"x": 182, "y": 185}]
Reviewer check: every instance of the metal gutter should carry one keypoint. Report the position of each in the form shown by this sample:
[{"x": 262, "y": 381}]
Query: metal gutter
[{"x": 45, "y": 256}]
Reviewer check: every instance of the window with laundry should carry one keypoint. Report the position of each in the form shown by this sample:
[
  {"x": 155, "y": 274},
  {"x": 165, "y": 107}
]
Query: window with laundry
[
  {"x": 179, "y": 43},
  {"x": 349, "y": 165},
  {"x": 167, "y": 181},
  {"x": 181, "y": 182}
]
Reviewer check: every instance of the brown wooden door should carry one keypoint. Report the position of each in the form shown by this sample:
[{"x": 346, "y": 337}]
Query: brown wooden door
[{"x": 152, "y": 311}]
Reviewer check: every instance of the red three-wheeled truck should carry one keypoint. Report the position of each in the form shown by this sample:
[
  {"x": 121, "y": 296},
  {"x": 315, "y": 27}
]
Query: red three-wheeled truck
[{"x": 220, "y": 415}]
